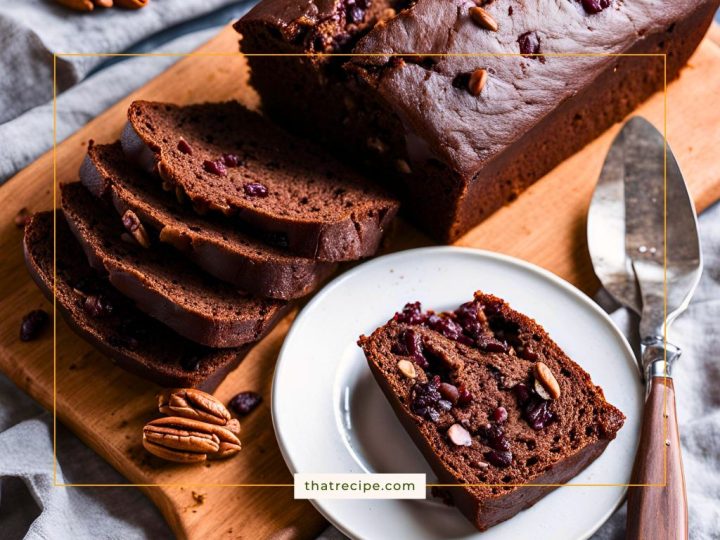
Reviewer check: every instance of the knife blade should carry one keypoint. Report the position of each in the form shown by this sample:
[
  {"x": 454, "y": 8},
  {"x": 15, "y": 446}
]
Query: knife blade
[
  {"x": 643, "y": 240},
  {"x": 667, "y": 260},
  {"x": 606, "y": 230}
]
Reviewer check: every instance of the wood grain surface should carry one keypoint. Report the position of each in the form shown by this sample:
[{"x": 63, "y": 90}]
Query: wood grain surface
[{"x": 107, "y": 407}]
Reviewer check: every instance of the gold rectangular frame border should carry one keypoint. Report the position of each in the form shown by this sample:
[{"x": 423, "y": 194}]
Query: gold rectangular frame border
[{"x": 201, "y": 54}]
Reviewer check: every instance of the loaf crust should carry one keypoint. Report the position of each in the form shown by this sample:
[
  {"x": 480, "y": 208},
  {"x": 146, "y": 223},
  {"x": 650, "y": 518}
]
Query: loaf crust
[{"x": 454, "y": 157}]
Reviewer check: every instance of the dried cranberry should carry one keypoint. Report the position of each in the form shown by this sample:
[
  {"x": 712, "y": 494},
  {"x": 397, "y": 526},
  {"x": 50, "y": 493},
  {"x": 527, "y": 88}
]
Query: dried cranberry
[
  {"x": 595, "y": 6},
  {"x": 33, "y": 324},
  {"x": 245, "y": 402},
  {"x": 184, "y": 147},
  {"x": 464, "y": 396},
  {"x": 411, "y": 314},
  {"x": 231, "y": 160},
  {"x": 449, "y": 392},
  {"x": 489, "y": 343},
  {"x": 426, "y": 400},
  {"x": 413, "y": 342},
  {"x": 537, "y": 413},
  {"x": 530, "y": 44},
  {"x": 467, "y": 316},
  {"x": 522, "y": 393},
  {"x": 494, "y": 435},
  {"x": 354, "y": 13},
  {"x": 525, "y": 352},
  {"x": 500, "y": 415},
  {"x": 216, "y": 167},
  {"x": 414, "y": 346},
  {"x": 446, "y": 326},
  {"x": 97, "y": 305},
  {"x": 255, "y": 189},
  {"x": 499, "y": 458}
]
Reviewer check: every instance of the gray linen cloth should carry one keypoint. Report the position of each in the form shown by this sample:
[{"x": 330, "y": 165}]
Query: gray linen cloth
[{"x": 30, "y": 507}]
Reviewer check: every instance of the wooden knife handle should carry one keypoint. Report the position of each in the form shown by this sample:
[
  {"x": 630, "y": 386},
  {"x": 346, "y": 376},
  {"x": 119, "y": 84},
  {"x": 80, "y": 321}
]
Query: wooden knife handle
[{"x": 658, "y": 512}]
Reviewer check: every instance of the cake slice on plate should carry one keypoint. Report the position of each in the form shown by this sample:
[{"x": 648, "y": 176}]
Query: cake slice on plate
[{"x": 491, "y": 401}]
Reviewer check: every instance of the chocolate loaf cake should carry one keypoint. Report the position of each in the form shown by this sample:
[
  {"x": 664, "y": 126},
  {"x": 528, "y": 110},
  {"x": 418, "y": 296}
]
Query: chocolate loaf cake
[
  {"x": 160, "y": 282},
  {"x": 459, "y": 135},
  {"x": 225, "y": 158},
  {"x": 214, "y": 244},
  {"x": 107, "y": 320},
  {"x": 492, "y": 402}
]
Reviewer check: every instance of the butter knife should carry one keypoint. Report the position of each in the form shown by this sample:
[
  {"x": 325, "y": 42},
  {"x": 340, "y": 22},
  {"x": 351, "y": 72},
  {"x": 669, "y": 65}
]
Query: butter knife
[{"x": 645, "y": 248}]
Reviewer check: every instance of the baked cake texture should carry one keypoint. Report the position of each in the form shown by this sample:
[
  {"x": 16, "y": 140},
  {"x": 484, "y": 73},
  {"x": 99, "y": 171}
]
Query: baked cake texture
[
  {"x": 217, "y": 245},
  {"x": 227, "y": 159},
  {"x": 162, "y": 283},
  {"x": 491, "y": 401},
  {"x": 459, "y": 136},
  {"x": 110, "y": 322}
]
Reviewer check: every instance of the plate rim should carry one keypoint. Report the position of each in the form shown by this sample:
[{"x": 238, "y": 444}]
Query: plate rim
[{"x": 432, "y": 251}]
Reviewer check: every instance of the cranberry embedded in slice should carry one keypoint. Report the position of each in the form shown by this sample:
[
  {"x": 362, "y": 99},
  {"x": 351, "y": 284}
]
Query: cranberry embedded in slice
[
  {"x": 184, "y": 147},
  {"x": 499, "y": 458},
  {"x": 97, "y": 306},
  {"x": 522, "y": 393},
  {"x": 411, "y": 314},
  {"x": 255, "y": 189},
  {"x": 231, "y": 160},
  {"x": 426, "y": 400},
  {"x": 446, "y": 326},
  {"x": 529, "y": 43},
  {"x": 464, "y": 396},
  {"x": 216, "y": 167},
  {"x": 537, "y": 413},
  {"x": 595, "y": 6},
  {"x": 500, "y": 415}
]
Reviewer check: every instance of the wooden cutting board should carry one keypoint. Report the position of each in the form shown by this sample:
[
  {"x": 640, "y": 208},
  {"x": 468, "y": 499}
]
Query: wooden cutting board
[{"x": 107, "y": 407}]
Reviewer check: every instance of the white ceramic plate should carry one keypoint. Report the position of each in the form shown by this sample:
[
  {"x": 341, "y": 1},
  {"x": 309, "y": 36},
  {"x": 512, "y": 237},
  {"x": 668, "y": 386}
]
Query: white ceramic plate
[{"x": 331, "y": 417}]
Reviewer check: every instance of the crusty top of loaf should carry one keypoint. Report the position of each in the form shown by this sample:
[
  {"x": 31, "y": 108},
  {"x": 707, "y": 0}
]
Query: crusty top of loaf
[{"x": 463, "y": 130}]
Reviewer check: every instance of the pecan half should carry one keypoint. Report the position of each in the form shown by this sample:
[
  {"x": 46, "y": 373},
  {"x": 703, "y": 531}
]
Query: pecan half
[
  {"x": 184, "y": 440},
  {"x": 196, "y": 405},
  {"x": 134, "y": 226}
]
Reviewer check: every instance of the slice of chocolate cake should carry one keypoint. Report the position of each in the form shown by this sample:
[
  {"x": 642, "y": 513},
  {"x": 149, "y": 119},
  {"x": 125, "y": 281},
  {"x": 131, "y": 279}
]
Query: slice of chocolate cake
[
  {"x": 162, "y": 283},
  {"x": 212, "y": 243},
  {"x": 110, "y": 322},
  {"x": 491, "y": 401},
  {"x": 225, "y": 158}
]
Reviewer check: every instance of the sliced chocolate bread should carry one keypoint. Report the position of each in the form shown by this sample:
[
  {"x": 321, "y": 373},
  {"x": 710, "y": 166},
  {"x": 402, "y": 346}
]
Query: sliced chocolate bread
[
  {"x": 110, "y": 322},
  {"x": 211, "y": 242},
  {"x": 490, "y": 399},
  {"x": 161, "y": 282},
  {"x": 226, "y": 158}
]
